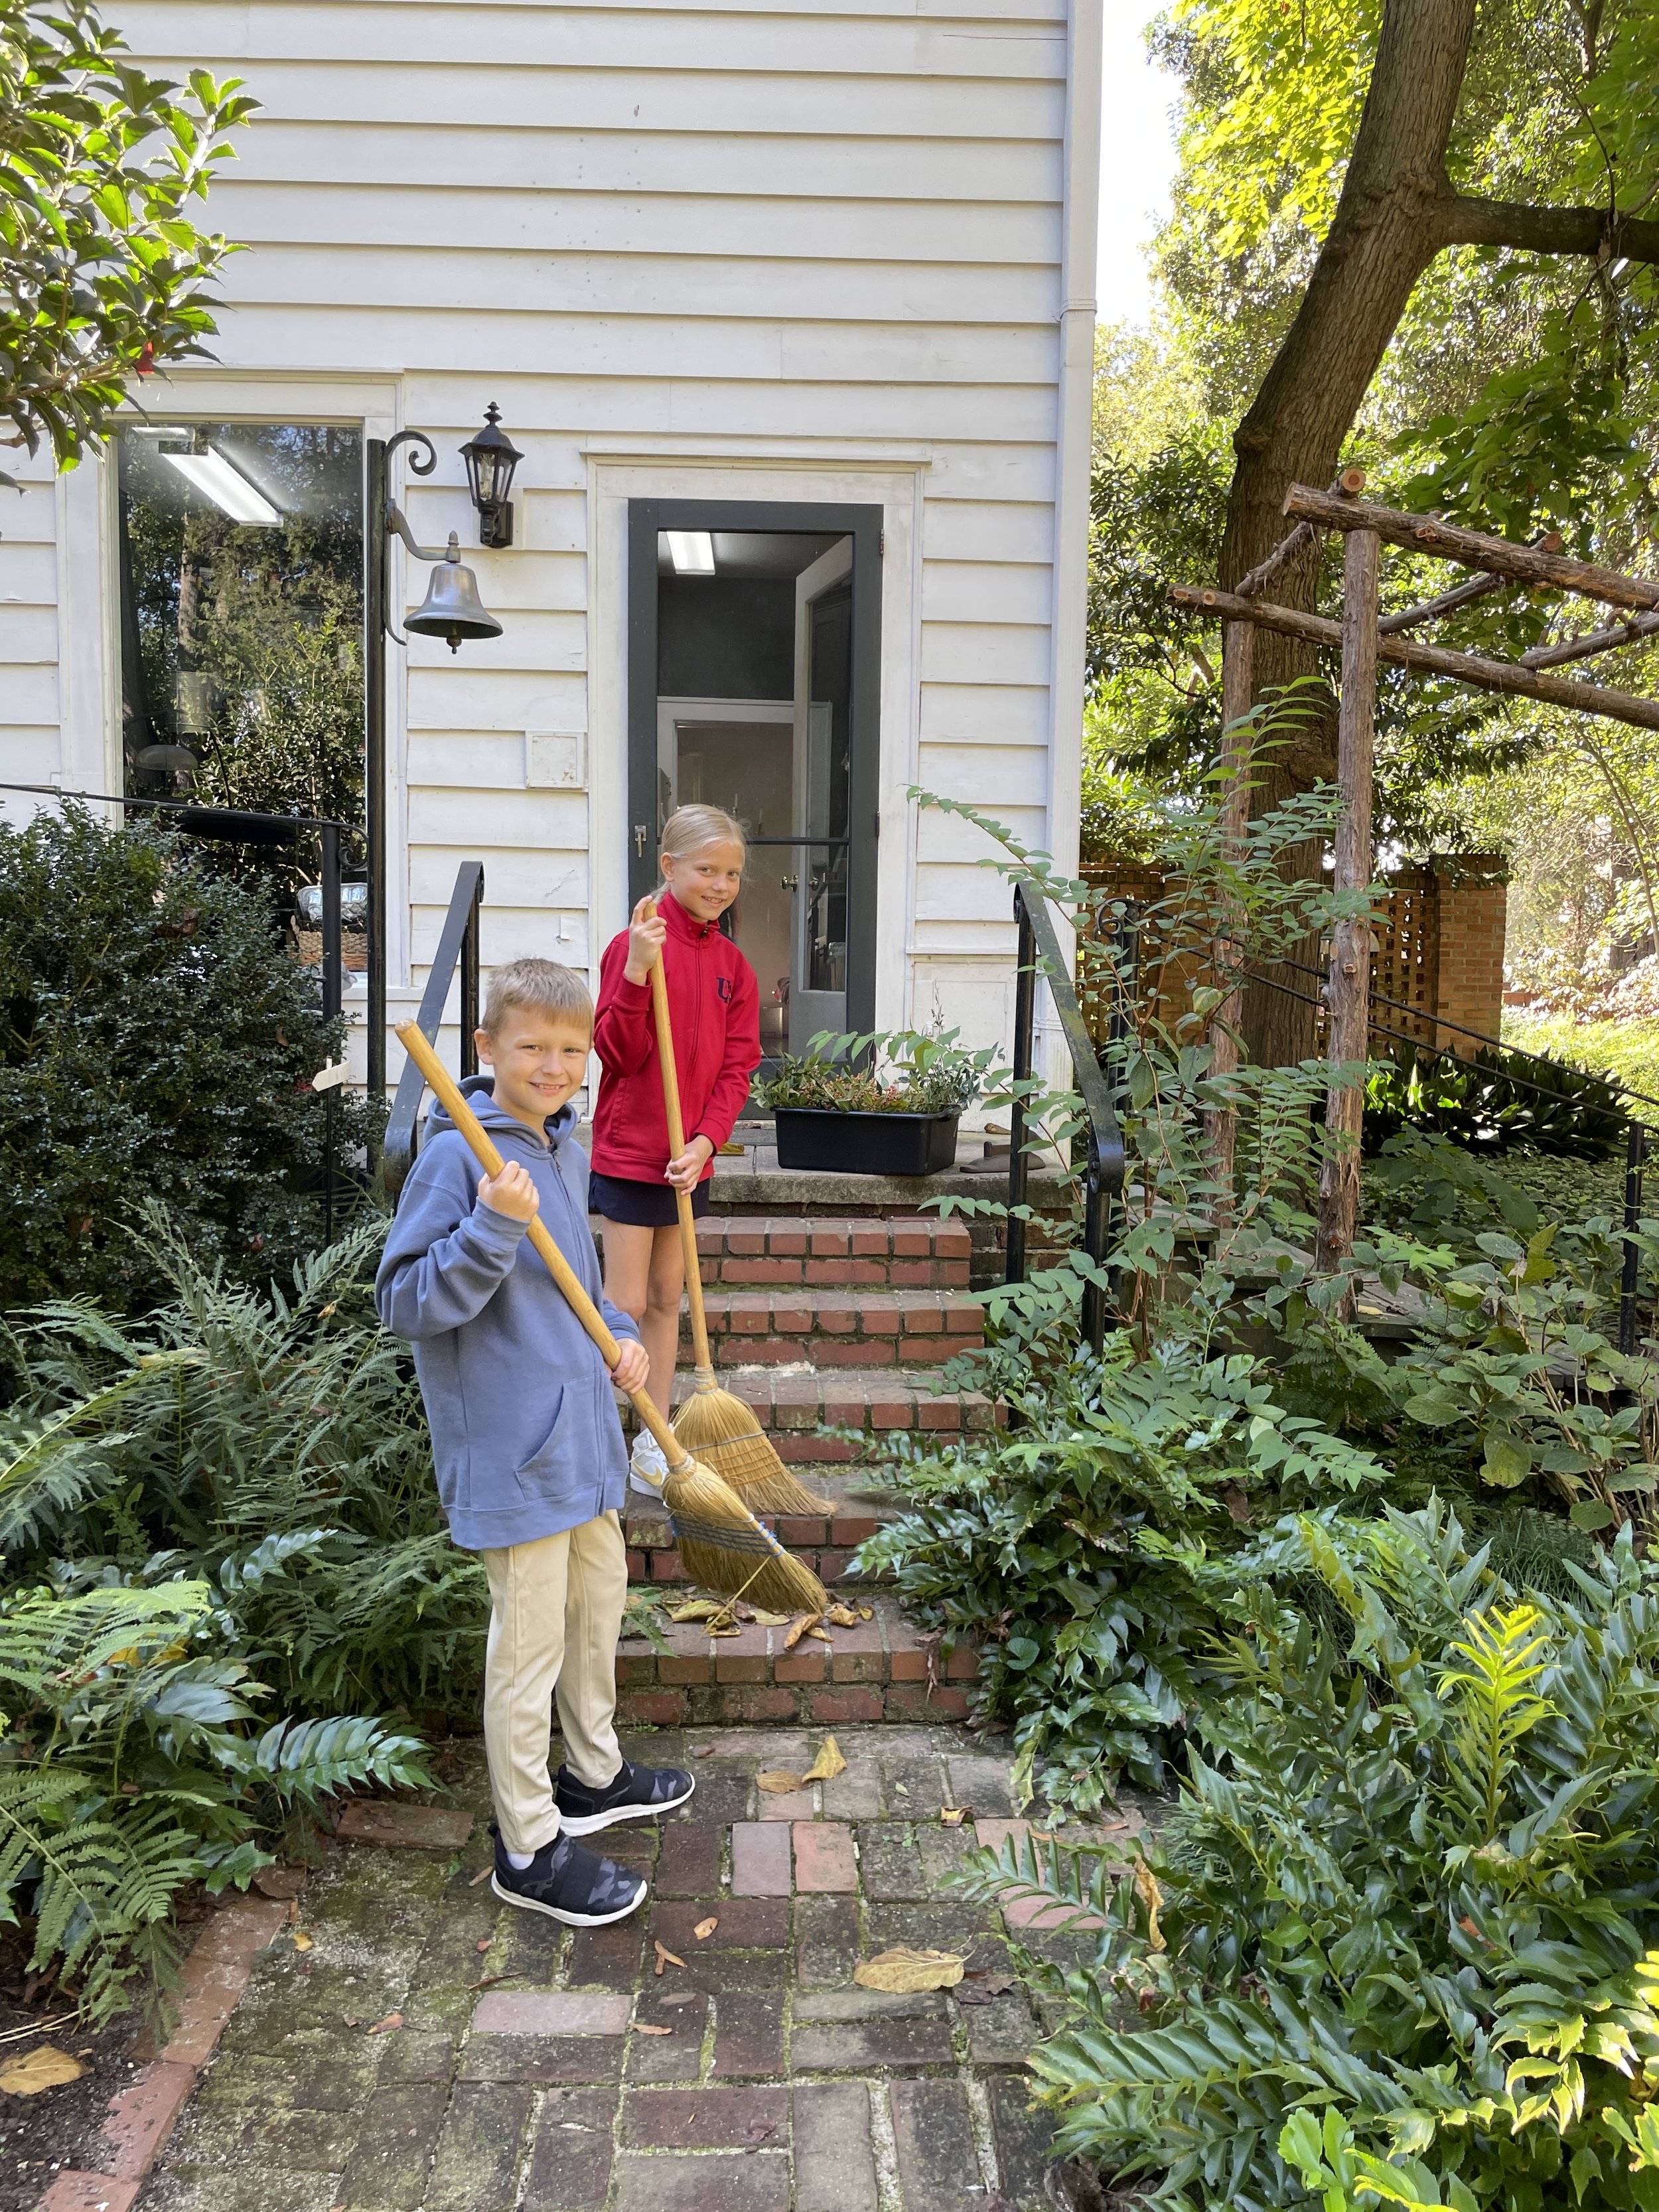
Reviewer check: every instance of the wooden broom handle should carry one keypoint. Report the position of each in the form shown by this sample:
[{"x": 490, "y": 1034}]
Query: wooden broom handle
[
  {"x": 671, "y": 1099},
  {"x": 449, "y": 1095}
]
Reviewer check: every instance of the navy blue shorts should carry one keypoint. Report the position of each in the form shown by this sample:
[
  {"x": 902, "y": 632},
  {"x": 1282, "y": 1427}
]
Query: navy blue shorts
[{"x": 639, "y": 1205}]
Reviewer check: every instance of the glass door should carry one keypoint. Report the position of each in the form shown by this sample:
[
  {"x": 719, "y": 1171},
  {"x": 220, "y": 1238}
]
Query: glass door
[{"x": 752, "y": 686}]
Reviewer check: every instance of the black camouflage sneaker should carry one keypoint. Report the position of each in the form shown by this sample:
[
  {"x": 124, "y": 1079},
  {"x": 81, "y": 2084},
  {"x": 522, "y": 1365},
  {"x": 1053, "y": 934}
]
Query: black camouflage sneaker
[
  {"x": 567, "y": 1883},
  {"x": 639, "y": 1793}
]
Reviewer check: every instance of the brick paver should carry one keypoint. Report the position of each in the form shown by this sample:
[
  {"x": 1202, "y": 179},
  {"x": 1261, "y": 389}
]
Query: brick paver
[{"x": 434, "y": 2050}]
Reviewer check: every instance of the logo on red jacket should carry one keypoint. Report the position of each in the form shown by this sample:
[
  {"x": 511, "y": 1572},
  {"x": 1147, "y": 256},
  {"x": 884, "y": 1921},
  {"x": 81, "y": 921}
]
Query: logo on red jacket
[{"x": 723, "y": 985}]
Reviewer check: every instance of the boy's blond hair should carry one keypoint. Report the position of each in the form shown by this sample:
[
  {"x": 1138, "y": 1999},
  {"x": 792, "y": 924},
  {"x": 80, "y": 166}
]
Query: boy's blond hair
[
  {"x": 689, "y": 829},
  {"x": 541, "y": 984}
]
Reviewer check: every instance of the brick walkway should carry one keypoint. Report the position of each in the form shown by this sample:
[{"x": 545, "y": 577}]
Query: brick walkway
[{"x": 432, "y": 2050}]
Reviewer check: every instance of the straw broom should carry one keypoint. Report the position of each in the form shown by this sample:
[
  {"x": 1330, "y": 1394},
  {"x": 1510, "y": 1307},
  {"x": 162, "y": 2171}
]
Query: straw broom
[
  {"x": 714, "y": 1424},
  {"x": 721, "y": 1544}
]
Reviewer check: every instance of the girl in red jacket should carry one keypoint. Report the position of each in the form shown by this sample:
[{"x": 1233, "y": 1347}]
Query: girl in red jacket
[{"x": 713, "y": 1010}]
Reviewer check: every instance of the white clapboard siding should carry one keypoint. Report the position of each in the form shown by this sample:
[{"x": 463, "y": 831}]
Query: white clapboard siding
[{"x": 832, "y": 230}]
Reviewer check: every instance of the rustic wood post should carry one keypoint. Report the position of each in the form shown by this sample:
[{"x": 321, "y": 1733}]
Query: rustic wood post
[
  {"x": 1237, "y": 665},
  {"x": 1348, "y": 994}
]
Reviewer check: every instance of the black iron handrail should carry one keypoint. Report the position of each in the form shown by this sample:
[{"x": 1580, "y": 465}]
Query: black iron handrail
[
  {"x": 456, "y": 952},
  {"x": 1039, "y": 951}
]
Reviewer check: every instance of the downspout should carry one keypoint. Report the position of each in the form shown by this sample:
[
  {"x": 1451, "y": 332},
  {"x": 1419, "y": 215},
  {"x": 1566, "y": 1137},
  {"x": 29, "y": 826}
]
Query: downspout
[{"x": 1074, "y": 432}]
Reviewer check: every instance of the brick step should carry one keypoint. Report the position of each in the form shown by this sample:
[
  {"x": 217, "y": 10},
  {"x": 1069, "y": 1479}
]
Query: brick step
[
  {"x": 887, "y": 1252},
  {"x": 832, "y": 1328},
  {"x": 823, "y": 1542},
  {"x": 793, "y": 1404},
  {"x": 878, "y": 1671}
]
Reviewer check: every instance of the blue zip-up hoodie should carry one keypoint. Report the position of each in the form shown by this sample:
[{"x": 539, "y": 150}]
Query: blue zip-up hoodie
[{"x": 525, "y": 1436}]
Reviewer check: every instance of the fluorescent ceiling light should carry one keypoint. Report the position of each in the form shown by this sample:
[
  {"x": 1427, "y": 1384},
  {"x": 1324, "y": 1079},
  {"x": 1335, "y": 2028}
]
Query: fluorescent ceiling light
[
  {"x": 228, "y": 487},
  {"x": 691, "y": 551},
  {"x": 158, "y": 429}
]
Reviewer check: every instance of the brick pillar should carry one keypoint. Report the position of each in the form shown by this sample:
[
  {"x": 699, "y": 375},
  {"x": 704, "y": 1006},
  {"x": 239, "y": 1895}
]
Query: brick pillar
[{"x": 1470, "y": 894}]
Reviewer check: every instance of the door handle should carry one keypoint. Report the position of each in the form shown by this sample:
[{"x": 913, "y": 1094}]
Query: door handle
[
  {"x": 638, "y": 840},
  {"x": 789, "y": 882}
]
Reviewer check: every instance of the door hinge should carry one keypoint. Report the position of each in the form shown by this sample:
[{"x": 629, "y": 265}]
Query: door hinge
[
  {"x": 881, "y": 544},
  {"x": 638, "y": 840},
  {"x": 878, "y": 825}
]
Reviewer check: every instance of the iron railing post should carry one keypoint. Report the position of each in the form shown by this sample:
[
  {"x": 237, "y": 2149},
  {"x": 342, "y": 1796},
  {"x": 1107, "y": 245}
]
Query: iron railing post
[
  {"x": 457, "y": 955},
  {"x": 1635, "y": 1152},
  {"x": 1024, "y": 1016},
  {"x": 333, "y": 1000},
  {"x": 374, "y": 791},
  {"x": 469, "y": 980},
  {"x": 1039, "y": 948}
]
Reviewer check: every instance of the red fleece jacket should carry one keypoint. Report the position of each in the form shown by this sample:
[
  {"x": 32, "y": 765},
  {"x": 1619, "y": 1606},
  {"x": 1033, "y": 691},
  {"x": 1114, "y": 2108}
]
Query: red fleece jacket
[{"x": 713, "y": 1011}]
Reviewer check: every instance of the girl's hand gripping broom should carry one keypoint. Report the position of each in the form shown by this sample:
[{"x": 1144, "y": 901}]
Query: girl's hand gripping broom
[
  {"x": 721, "y": 1544},
  {"x": 714, "y": 1424}
]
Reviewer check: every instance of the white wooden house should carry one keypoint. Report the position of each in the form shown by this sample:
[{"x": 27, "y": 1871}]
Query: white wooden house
[{"x": 809, "y": 285}]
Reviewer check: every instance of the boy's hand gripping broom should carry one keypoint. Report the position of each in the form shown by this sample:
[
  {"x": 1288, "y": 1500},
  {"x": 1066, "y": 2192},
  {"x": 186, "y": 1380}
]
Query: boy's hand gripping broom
[
  {"x": 721, "y": 1544},
  {"x": 713, "y": 1423}
]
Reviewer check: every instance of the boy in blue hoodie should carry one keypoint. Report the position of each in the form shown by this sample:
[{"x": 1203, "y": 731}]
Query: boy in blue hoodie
[{"x": 531, "y": 1463}]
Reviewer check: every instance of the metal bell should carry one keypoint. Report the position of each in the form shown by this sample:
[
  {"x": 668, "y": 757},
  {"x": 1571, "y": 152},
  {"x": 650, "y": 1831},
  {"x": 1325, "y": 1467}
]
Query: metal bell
[{"x": 451, "y": 607}]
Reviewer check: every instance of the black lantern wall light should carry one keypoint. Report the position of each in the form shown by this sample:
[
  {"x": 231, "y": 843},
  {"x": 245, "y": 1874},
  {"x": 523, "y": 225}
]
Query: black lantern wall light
[
  {"x": 451, "y": 610},
  {"x": 491, "y": 458}
]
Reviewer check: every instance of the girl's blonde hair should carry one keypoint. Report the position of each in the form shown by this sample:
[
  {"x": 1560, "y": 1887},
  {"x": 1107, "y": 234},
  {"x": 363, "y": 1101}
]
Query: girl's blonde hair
[{"x": 689, "y": 829}]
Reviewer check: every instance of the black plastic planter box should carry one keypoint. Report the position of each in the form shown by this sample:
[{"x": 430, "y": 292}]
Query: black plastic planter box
[{"x": 866, "y": 1144}]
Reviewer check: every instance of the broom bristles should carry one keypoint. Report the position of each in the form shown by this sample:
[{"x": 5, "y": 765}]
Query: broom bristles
[
  {"x": 724, "y": 1549},
  {"x": 716, "y": 1426}
]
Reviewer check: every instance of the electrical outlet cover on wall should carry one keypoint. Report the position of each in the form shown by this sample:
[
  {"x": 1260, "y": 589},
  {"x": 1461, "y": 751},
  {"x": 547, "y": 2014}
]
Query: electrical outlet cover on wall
[{"x": 556, "y": 760}]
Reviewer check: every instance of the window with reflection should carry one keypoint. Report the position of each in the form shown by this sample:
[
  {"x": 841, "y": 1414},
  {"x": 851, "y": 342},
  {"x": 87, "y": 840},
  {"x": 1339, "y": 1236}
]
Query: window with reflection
[{"x": 241, "y": 569}]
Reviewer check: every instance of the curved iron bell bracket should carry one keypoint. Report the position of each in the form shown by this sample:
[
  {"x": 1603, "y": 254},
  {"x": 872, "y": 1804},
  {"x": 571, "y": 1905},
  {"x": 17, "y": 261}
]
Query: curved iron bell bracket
[{"x": 396, "y": 525}]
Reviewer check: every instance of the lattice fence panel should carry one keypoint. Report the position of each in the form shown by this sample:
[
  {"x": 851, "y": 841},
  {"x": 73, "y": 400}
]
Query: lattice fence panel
[{"x": 1405, "y": 962}]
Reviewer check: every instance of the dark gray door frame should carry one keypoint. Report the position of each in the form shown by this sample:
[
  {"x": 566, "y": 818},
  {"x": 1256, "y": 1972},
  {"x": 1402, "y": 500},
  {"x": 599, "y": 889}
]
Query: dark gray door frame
[{"x": 863, "y": 525}]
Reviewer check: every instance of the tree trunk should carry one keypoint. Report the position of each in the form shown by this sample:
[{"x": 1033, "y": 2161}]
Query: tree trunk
[{"x": 1391, "y": 222}]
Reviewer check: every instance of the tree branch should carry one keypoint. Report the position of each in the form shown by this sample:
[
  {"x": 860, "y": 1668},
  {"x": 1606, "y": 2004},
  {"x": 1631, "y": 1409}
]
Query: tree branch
[{"x": 1471, "y": 221}]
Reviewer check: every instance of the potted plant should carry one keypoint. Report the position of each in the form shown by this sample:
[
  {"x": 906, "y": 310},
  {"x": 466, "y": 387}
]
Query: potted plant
[{"x": 884, "y": 1102}]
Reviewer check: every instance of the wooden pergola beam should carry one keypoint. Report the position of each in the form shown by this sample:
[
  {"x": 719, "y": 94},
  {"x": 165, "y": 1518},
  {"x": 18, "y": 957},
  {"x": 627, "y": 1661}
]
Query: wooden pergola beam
[
  {"x": 1447, "y": 541},
  {"x": 1505, "y": 675}
]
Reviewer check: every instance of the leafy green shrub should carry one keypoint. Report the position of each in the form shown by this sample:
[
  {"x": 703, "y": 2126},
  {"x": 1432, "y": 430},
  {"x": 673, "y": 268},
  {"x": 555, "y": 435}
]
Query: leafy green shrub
[
  {"x": 1494, "y": 1101},
  {"x": 1399, "y": 1941},
  {"x": 154, "y": 1043},
  {"x": 132, "y": 1762},
  {"x": 270, "y": 1445},
  {"x": 915, "y": 1072},
  {"x": 1057, "y": 1548}
]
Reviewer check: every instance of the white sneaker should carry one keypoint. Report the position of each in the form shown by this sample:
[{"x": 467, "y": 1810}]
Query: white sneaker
[{"x": 648, "y": 1469}]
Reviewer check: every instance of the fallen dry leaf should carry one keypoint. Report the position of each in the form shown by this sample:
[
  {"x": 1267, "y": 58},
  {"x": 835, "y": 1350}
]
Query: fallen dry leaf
[
  {"x": 666, "y": 1958},
  {"x": 777, "y": 1783},
  {"x": 485, "y": 1943},
  {"x": 1152, "y": 1897},
  {"x": 797, "y": 1629},
  {"x": 827, "y": 1763},
  {"x": 699, "y": 1608},
  {"x": 866, "y": 1612},
  {"x": 679, "y": 1997},
  {"x": 46, "y": 2067},
  {"x": 764, "y": 1620},
  {"x": 705, "y": 1929},
  {"x": 482, "y": 1875},
  {"x": 982, "y": 1989},
  {"x": 903, "y": 1971},
  {"x": 385, "y": 2027},
  {"x": 952, "y": 1816},
  {"x": 301, "y": 1942},
  {"x": 293, "y": 1914},
  {"x": 647, "y": 2028},
  {"x": 843, "y": 1616},
  {"x": 821, "y": 1632}
]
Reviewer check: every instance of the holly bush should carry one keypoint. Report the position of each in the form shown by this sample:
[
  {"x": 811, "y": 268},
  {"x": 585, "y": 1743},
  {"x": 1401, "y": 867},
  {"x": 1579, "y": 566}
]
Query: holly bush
[{"x": 156, "y": 1044}]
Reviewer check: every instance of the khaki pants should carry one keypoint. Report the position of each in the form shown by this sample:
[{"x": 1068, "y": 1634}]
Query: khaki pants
[{"x": 556, "y": 1611}]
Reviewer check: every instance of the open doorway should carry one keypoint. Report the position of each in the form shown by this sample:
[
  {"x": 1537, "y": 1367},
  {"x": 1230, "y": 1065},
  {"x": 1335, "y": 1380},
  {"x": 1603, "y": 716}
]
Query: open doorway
[{"x": 754, "y": 634}]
